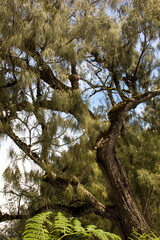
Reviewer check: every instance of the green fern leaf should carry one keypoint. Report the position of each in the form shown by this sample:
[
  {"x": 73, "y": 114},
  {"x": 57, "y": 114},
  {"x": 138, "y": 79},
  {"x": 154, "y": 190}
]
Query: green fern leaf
[
  {"x": 90, "y": 228},
  {"x": 100, "y": 234},
  {"x": 112, "y": 236},
  {"x": 36, "y": 227},
  {"x": 77, "y": 227},
  {"x": 62, "y": 224},
  {"x": 79, "y": 230}
]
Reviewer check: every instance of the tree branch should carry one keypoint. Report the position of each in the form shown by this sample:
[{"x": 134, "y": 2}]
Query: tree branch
[
  {"x": 117, "y": 84},
  {"x": 135, "y": 101},
  {"x": 46, "y": 74},
  {"x": 116, "y": 117},
  {"x": 31, "y": 154},
  {"x": 60, "y": 181},
  {"x": 7, "y": 85},
  {"x": 8, "y": 217},
  {"x": 79, "y": 211},
  {"x": 96, "y": 206}
]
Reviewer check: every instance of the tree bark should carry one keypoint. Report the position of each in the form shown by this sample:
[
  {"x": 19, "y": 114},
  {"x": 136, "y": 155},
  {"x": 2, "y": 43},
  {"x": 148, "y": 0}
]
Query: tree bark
[{"x": 129, "y": 213}]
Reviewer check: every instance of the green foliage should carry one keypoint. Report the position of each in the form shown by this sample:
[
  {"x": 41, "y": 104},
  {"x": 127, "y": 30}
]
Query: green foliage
[
  {"x": 115, "y": 45},
  {"x": 142, "y": 160},
  {"x": 36, "y": 227},
  {"x": 41, "y": 227},
  {"x": 144, "y": 236}
]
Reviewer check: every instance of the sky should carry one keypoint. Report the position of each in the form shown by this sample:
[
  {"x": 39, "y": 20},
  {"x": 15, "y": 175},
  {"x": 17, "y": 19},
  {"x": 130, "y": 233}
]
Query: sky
[{"x": 5, "y": 145}]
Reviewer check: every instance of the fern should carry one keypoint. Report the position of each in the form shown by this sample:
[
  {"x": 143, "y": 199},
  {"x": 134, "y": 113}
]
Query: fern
[
  {"x": 144, "y": 236},
  {"x": 38, "y": 228},
  {"x": 77, "y": 227},
  {"x": 100, "y": 234},
  {"x": 62, "y": 224}
]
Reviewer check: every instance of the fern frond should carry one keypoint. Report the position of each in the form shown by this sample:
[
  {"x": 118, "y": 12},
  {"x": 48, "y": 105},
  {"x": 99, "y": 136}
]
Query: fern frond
[
  {"x": 62, "y": 228},
  {"x": 77, "y": 227},
  {"x": 143, "y": 236},
  {"x": 112, "y": 236},
  {"x": 79, "y": 230},
  {"x": 62, "y": 224},
  {"x": 90, "y": 228},
  {"x": 100, "y": 234},
  {"x": 36, "y": 227}
]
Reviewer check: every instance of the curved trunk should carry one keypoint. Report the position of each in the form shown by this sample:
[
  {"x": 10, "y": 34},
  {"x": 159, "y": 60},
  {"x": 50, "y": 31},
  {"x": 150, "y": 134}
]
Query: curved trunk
[{"x": 129, "y": 214}]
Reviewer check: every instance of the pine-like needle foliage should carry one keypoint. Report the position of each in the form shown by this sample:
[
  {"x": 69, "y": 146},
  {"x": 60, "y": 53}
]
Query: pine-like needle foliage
[{"x": 70, "y": 73}]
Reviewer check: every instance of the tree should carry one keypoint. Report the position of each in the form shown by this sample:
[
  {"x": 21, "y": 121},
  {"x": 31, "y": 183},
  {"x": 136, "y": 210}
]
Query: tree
[{"x": 58, "y": 58}]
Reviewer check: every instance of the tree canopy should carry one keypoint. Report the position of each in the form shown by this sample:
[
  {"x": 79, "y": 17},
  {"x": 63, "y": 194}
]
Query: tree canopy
[{"x": 72, "y": 73}]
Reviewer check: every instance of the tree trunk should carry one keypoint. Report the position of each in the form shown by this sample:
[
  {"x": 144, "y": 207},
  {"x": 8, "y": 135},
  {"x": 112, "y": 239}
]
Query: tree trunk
[{"x": 128, "y": 212}]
